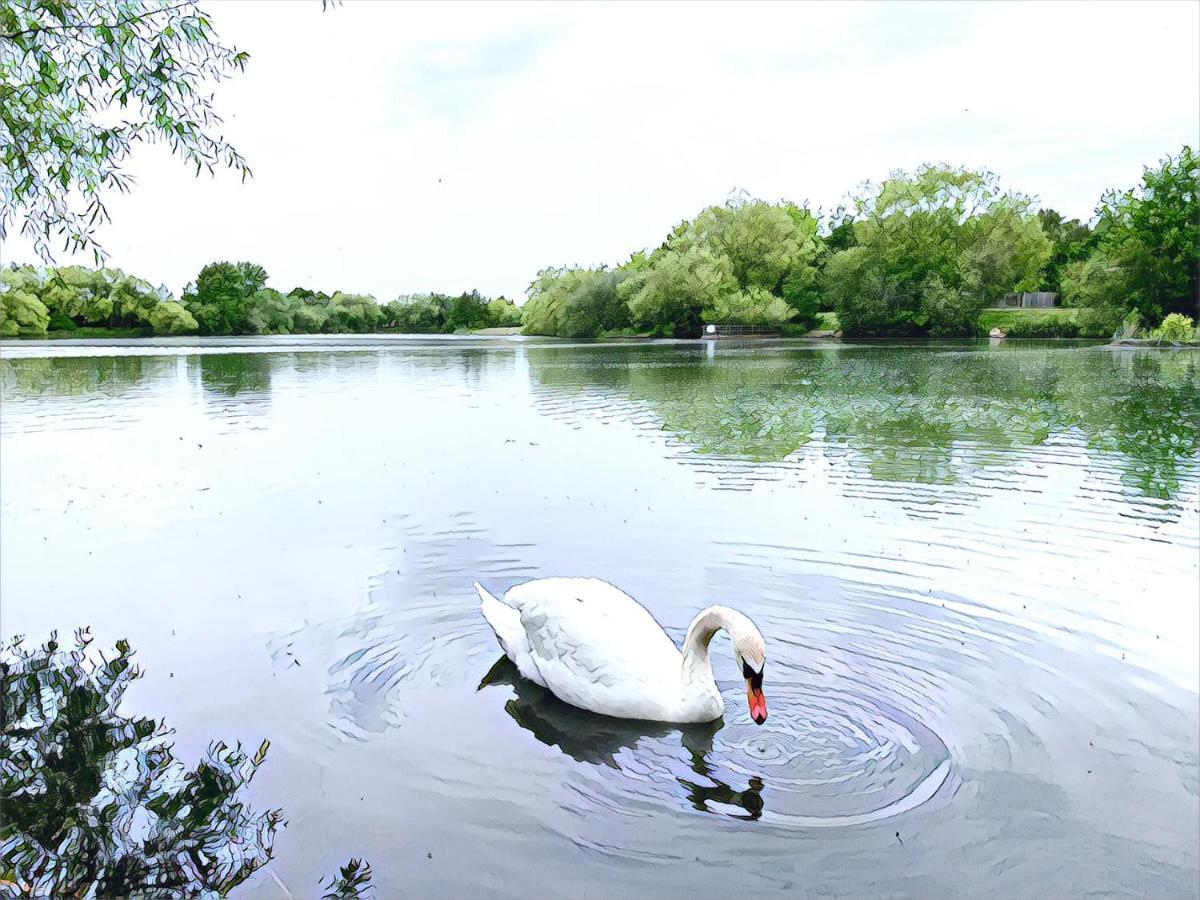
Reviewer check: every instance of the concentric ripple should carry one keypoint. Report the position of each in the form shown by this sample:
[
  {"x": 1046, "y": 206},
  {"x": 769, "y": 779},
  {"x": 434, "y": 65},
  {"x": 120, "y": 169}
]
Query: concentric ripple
[
  {"x": 820, "y": 761},
  {"x": 838, "y": 760}
]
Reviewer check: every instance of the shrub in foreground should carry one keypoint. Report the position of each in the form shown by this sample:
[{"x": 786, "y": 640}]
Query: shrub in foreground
[{"x": 96, "y": 804}]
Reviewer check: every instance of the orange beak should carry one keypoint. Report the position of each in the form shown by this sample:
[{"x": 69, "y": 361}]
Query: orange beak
[{"x": 758, "y": 703}]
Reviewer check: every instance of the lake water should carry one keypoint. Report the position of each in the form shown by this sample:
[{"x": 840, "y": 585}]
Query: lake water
[{"x": 976, "y": 568}]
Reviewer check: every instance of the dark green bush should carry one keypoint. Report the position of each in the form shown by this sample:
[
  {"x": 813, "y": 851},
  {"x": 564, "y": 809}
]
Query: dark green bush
[
  {"x": 61, "y": 323},
  {"x": 467, "y": 311}
]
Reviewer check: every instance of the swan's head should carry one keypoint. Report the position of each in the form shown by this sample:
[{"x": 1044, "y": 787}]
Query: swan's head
[{"x": 751, "y": 653}]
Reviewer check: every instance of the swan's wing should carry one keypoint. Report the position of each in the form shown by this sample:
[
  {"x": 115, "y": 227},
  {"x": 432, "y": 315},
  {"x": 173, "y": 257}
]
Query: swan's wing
[{"x": 597, "y": 648}]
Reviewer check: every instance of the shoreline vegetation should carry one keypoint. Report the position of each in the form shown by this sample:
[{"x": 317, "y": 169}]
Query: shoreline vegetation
[{"x": 929, "y": 253}]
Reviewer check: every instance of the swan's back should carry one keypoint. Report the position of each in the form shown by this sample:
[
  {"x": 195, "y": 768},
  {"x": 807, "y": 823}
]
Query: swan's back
[{"x": 596, "y": 647}]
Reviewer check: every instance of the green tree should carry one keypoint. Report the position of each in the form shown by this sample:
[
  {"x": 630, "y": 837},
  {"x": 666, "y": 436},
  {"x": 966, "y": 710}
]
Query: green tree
[
  {"x": 595, "y": 304},
  {"x": 309, "y": 298},
  {"x": 503, "y": 313},
  {"x": 357, "y": 313},
  {"x": 218, "y": 300},
  {"x": 1152, "y": 231},
  {"x": 752, "y": 306},
  {"x": 768, "y": 246},
  {"x": 841, "y": 232},
  {"x": 1102, "y": 288},
  {"x": 547, "y": 296},
  {"x": 672, "y": 294},
  {"x": 1175, "y": 327},
  {"x": 132, "y": 300},
  {"x": 931, "y": 249},
  {"x": 65, "y": 67},
  {"x": 868, "y": 296},
  {"x": 413, "y": 314},
  {"x": 102, "y": 297},
  {"x": 170, "y": 317},
  {"x": 467, "y": 311},
  {"x": 310, "y": 319},
  {"x": 22, "y": 313},
  {"x": 1070, "y": 241},
  {"x": 71, "y": 293},
  {"x": 270, "y": 312}
]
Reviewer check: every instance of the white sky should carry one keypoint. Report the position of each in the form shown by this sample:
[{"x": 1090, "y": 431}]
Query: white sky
[{"x": 404, "y": 147}]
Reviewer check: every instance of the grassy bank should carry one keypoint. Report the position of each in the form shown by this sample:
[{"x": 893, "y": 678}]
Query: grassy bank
[
  {"x": 88, "y": 331},
  {"x": 1052, "y": 322}
]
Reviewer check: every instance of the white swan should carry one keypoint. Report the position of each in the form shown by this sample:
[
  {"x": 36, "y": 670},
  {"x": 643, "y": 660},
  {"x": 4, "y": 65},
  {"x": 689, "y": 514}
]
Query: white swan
[{"x": 597, "y": 648}]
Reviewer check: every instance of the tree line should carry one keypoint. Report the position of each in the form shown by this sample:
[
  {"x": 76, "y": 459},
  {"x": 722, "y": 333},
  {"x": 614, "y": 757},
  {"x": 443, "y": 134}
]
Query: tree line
[
  {"x": 225, "y": 299},
  {"x": 923, "y": 253}
]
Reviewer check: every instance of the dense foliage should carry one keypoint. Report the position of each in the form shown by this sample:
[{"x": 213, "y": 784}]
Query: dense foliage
[
  {"x": 226, "y": 298},
  {"x": 96, "y": 804},
  {"x": 65, "y": 67},
  {"x": 1070, "y": 241},
  {"x": 35, "y": 300},
  {"x": 577, "y": 302},
  {"x": 923, "y": 253},
  {"x": 1150, "y": 236},
  {"x": 746, "y": 262},
  {"x": 232, "y": 298},
  {"x": 932, "y": 249}
]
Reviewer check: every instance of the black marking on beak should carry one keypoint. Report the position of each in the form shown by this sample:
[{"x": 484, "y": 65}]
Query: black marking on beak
[{"x": 755, "y": 678}]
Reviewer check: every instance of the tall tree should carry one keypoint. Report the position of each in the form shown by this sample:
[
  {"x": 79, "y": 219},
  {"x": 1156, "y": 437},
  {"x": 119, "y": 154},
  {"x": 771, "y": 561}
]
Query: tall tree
[
  {"x": 1152, "y": 232},
  {"x": 1070, "y": 241},
  {"x": 932, "y": 248},
  {"x": 81, "y": 83},
  {"x": 220, "y": 298}
]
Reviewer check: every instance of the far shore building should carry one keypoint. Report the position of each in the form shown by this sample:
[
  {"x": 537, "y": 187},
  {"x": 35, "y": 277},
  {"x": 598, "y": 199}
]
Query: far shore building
[{"x": 1029, "y": 300}]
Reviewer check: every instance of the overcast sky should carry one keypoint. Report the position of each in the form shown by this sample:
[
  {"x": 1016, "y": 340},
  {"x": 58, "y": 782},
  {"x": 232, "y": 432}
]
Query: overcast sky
[{"x": 402, "y": 147}]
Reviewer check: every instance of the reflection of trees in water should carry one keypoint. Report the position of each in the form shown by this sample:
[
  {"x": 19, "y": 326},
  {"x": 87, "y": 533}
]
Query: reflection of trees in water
[
  {"x": 913, "y": 414},
  {"x": 907, "y": 412},
  {"x": 590, "y": 738},
  {"x": 230, "y": 374},
  {"x": 78, "y": 376}
]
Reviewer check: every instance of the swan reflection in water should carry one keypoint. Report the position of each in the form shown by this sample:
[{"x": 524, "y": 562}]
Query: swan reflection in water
[{"x": 590, "y": 738}]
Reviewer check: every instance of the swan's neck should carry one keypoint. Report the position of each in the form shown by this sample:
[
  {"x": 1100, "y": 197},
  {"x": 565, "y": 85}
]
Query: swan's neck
[{"x": 697, "y": 671}]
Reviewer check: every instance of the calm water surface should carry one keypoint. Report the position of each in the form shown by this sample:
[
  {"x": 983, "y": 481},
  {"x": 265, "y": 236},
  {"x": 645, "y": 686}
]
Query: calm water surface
[{"x": 976, "y": 568}]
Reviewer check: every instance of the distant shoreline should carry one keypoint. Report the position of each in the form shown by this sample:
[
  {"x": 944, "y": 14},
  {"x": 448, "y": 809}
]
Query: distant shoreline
[{"x": 32, "y": 348}]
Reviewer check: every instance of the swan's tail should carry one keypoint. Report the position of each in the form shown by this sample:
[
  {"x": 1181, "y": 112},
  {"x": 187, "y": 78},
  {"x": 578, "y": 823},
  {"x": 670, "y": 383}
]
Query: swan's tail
[
  {"x": 510, "y": 632},
  {"x": 505, "y": 621}
]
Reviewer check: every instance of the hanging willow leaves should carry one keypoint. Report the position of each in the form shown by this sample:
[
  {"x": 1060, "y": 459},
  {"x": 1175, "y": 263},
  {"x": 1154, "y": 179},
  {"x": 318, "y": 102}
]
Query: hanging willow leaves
[{"x": 81, "y": 83}]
